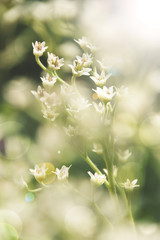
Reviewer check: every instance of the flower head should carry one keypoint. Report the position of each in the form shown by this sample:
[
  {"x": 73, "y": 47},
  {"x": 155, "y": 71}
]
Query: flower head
[
  {"x": 100, "y": 79},
  {"x": 39, "y": 172},
  {"x": 62, "y": 173},
  {"x": 123, "y": 155},
  {"x": 54, "y": 62},
  {"x": 97, "y": 179},
  {"x": 105, "y": 94},
  {"x": 39, "y": 48},
  {"x": 48, "y": 81},
  {"x": 129, "y": 186}
]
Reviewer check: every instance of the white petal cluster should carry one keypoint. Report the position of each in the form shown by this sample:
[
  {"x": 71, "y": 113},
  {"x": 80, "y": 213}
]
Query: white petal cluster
[
  {"x": 100, "y": 79},
  {"x": 54, "y": 62},
  {"x": 123, "y": 155},
  {"x": 85, "y": 44},
  {"x": 97, "y": 148},
  {"x": 96, "y": 178},
  {"x": 39, "y": 48},
  {"x": 100, "y": 108},
  {"x": 77, "y": 104},
  {"x": 39, "y": 172},
  {"x": 81, "y": 65},
  {"x": 48, "y": 81},
  {"x": 105, "y": 94},
  {"x": 129, "y": 186},
  {"x": 62, "y": 173},
  {"x": 49, "y": 101}
]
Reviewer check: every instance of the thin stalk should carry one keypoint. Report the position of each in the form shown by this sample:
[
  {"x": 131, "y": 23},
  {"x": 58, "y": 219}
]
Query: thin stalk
[
  {"x": 42, "y": 66},
  {"x": 59, "y": 79}
]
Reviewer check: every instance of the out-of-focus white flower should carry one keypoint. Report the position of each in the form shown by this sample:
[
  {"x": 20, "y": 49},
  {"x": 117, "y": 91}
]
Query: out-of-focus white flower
[
  {"x": 123, "y": 155},
  {"x": 48, "y": 81},
  {"x": 50, "y": 114},
  {"x": 39, "y": 172},
  {"x": 102, "y": 66},
  {"x": 122, "y": 91},
  {"x": 39, "y": 48},
  {"x": 115, "y": 170},
  {"x": 105, "y": 94},
  {"x": 40, "y": 94},
  {"x": 77, "y": 104},
  {"x": 54, "y": 62},
  {"x": 70, "y": 131},
  {"x": 128, "y": 185},
  {"x": 100, "y": 79},
  {"x": 96, "y": 178},
  {"x": 100, "y": 107},
  {"x": 67, "y": 90},
  {"x": 83, "y": 42},
  {"x": 62, "y": 173},
  {"x": 97, "y": 147}
]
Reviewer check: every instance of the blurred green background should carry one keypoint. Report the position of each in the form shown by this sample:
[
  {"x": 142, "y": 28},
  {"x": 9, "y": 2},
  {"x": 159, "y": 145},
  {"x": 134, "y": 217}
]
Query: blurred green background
[{"x": 128, "y": 42}]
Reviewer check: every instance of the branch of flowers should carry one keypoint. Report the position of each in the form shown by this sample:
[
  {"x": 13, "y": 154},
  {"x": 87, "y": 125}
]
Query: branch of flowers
[
  {"x": 73, "y": 81},
  {"x": 130, "y": 209}
]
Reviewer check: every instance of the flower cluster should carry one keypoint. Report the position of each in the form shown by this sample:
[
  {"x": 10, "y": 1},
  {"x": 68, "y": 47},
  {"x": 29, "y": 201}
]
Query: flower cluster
[{"x": 88, "y": 123}]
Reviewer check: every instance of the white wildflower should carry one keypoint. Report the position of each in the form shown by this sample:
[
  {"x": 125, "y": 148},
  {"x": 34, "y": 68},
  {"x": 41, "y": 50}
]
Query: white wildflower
[
  {"x": 77, "y": 104},
  {"x": 70, "y": 130},
  {"x": 83, "y": 42},
  {"x": 96, "y": 178},
  {"x": 97, "y": 147},
  {"x": 123, "y": 155},
  {"x": 48, "y": 81},
  {"x": 100, "y": 79},
  {"x": 40, "y": 94},
  {"x": 128, "y": 185},
  {"x": 54, "y": 62},
  {"x": 105, "y": 94},
  {"x": 79, "y": 70},
  {"x": 85, "y": 60},
  {"x": 39, "y": 172},
  {"x": 39, "y": 48},
  {"x": 100, "y": 108},
  {"x": 62, "y": 173},
  {"x": 50, "y": 114}
]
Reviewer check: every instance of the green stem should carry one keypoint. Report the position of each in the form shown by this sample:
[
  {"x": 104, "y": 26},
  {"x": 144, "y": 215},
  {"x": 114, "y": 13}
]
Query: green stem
[
  {"x": 42, "y": 66},
  {"x": 59, "y": 79}
]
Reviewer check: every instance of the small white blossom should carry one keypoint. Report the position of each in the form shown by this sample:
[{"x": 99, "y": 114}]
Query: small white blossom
[
  {"x": 123, "y": 155},
  {"x": 105, "y": 94},
  {"x": 122, "y": 92},
  {"x": 128, "y": 185},
  {"x": 83, "y": 42},
  {"x": 39, "y": 48},
  {"x": 97, "y": 147},
  {"x": 54, "y": 62},
  {"x": 96, "y": 178},
  {"x": 79, "y": 70},
  {"x": 39, "y": 172},
  {"x": 40, "y": 94},
  {"x": 100, "y": 107},
  {"x": 85, "y": 60},
  {"x": 70, "y": 131},
  {"x": 100, "y": 79},
  {"x": 48, "y": 81},
  {"x": 77, "y": 104},
  {"x": 49, "y": 114},
  {"x": 62, "y": 173}
]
